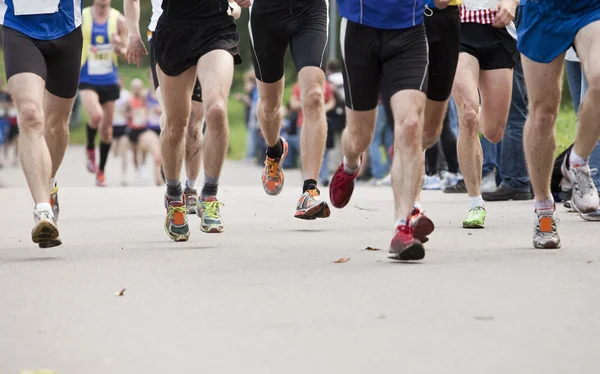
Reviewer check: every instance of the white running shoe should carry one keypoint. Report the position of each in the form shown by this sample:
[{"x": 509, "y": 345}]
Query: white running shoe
[
  {"x": 431, "y": 183},
  {"x": 385, "y": 181},
  {"x": 45, "y": 231},
  {"x": 488, "y": 183},
  {"x": 585, "y": 196},
  {"x": 545, "y": 233}
]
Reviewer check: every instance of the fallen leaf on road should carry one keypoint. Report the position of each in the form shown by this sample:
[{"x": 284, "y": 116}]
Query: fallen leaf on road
[
  {"x": 342, "y": 260},
  {"x": 590, "y": 261},
  {"x": 372, "y": 249},
  {"x": 121, "y": 293}
]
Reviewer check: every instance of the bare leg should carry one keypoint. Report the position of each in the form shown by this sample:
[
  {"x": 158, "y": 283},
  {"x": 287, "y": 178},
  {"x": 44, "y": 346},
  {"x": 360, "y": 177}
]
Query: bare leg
[
  {"x": 358, "y": 134},
  {"x": 193, "y": 142},
  {"x": 314, "y": 128},
  {"x": 56, "y": 131},
  {"x": 465, "y": 94},
  {"x": 496, "y": 94},
  {"x": 27, "y": 90},
  {"x": 150, "y": 143},
  {"x": 215, "y": 71},
  {"x": 435, "y": 111},
  {"x": 268, "y": 110}
]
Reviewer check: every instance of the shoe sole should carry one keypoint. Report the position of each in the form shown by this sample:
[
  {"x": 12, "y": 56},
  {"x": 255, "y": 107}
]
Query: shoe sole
[
  {"x": 423, "y": 228},
  {"x": 412, "y": 252},
  {"x": 472, "y": 226},
  {"x": 45, "y": 234},
  {"x": 177, "y": 237},
  {"x": 319, "y": 211},
  {"x": 590, "y": 219},
  {"x": 515, "y": 197},
  {"x": 548, "y": 245},
  {"x": 212, "y": 229}
]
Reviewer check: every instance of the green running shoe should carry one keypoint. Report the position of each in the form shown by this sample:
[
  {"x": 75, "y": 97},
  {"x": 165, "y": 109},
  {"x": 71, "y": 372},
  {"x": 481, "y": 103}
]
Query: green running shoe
[
  {"x": 475, "y": 219},
  {"x": 210, "y": 215}
]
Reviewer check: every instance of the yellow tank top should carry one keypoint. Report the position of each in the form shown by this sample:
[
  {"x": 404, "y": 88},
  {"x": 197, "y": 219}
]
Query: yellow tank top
[
  {"x": 456, "y": 2},
  {"x": 87, "y": 25}
]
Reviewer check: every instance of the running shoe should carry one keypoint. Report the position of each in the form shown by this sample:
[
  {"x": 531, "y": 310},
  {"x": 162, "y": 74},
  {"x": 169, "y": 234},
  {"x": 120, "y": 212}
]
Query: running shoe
[
  {"x": 191, "y": 199},
  {"x": 385, "y": 181},
  {"x": 272, "y": 176},
  {"x": 100, "y": 179},
  {"x": 54, "y": 202},
  {"x": 488, "y": 183},
  {"x": 210, "y": 215},
  {"x": 45, "y": 231},
  {"x": 422, "y": 225},
  {"x": 545, "y": 234},
  {"x": 176, "y": 224},
  {"x": 569, "y": 207},
  {"x": 475, "y": 219},
  {"x": 342, "y": 187},
  {"x": 585, "y": 196},
  {"x": 432, "y": 183},
  {"x": 404, "y": 246},
  {"x": 595, "y": 216},
  {"x": 458, "y": 187},
  {"x": 310, "y": 206},
  {"x": 91, "y": 160}
]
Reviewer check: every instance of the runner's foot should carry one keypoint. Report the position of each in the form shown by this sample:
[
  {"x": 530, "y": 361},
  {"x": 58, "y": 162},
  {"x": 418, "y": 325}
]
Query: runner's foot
[
  {"x": 100, "y": 179},
  {"x": 545, "y": 234},
  {"x": 422, "y": 225},
  {"x": 191, "y": 199},
  {"x": 54, "y": 203},
  {"x": 176, "y": 224},
  {"x": 45, "y": 231},
  {"x": 475, "y": 219},
  {"x": 210, "y": 215},
  {"x": 342, "y": 187},
  {"x": 404, "y": 246},
  {"x": 585, "y": 196},
  {"x": 272, "y": 176},
  {"x": 310, "y": 206},
  {"x": 91, "y": 160}
]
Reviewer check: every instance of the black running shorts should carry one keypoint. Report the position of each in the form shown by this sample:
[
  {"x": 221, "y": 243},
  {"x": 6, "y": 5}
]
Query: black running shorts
[
  {"x": 119, "y": 131},
  {"x": 57, "y": 61},
  {"x": 134, "y": 134},
  {"x": 105, "y": 93},
  {"x": 196, "y": 94},
  {"x": 178, "y": 45},
  {"x": 301, "y": 24},
  {"x": 13, "y": 132},
  {"x": 493, "y": 47},
  {"x": 443, "y": 38},
  {"x": 369, "y": 54}
]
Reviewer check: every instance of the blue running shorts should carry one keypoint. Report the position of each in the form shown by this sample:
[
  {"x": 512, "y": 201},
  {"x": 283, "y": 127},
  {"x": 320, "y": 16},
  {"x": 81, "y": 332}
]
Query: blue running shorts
[{"x": 545, "y": 34}]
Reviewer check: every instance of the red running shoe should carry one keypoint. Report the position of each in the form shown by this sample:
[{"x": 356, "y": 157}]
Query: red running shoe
[
  {"x": 405, "y": 247},
  {"x": 341, "y": 187},
  {"x": 422, "y": 225}
]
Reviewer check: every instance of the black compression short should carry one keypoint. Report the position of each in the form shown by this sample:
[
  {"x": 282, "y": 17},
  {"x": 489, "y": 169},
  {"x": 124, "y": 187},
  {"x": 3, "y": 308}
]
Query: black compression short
[
  {"x": 369, "y": 54},
  {"x": 179, "y": 45},
  {"x": 57, "y": 61},
  {"x": 119, "y": 131},
  {"x": 105, "y": 93},
  {"x": 196, "y": 94},
  {"x": 443, "y": 38},
  {"x": 300, "y": 24},
  {"x": 493, "y": 47}
]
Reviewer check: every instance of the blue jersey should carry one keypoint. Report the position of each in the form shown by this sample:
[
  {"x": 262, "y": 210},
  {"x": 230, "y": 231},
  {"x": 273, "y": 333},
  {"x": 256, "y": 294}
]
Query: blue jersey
[
  {"x": 383, "y": 14},
  {"x": 98, "y": 58},
  {"x": 41, "y": 19},
  {"x": 562, "y": 8}
]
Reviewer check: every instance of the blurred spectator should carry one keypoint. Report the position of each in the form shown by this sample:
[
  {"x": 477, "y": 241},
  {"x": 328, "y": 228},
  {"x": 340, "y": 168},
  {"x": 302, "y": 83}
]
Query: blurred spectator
[
  {"x": 9, "y": 126},
  {"x": 336, "y": 114},
  {"x": 383, "y": 136},
  {"x": 250, "y": 99}
]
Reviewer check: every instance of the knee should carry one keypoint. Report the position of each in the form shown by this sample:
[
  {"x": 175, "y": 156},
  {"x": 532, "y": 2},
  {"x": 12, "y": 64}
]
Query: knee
[
  {"x": 194, "y": 131},
  {"x": 359, "y": 142},
  {"x": 216, "y": 115},
  {"x": 175, "y": 127},
  {"x": 593, "y": 83},
  {"x": 269, "y": 107},
  {"x": 31, "y": 118},
  {"x": 106, "y": 132},
  {"x": 407, "y": 132},
  {"x": 494, "y": 135},
  {"x": 430, "y": 137},
  {"x": 542, "y": 117},
  {"x": 96, "y": 119},
  {"x": 313, "y": 100}
]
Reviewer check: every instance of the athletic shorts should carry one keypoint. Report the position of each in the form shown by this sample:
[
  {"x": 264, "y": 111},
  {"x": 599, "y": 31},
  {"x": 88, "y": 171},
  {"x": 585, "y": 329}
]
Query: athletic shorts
[
  {"x": 542, "y": 37},
  {"x": 156, "y": 129},
  {"x": 13, "y": 132},
  {"x": 119, "y": 131},
  {"x": 494, "y": 48},
  {"x": 302, "y": 25},
  {"x": 105, "y": 93},
  {"x": 369, "y": 54},
  {"x": 134, "y": 134},
  {"x": 443, "y": 38},
  {"x": 57, "y": 61},
  {"x": 178, "y": 46},
  {"x": 196, "y": 94}
]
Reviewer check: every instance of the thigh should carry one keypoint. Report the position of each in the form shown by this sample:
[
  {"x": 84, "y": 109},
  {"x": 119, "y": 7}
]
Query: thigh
[
  {"x": 22, "y": 55},
  {"x": 407, "y": 104},
  {"x": 90, "y": 101},
  {"x": 26, "y": 90},
  {"x": 57, "y": 110},
  {"x": 443, "y": 38},
  {"x": 465, "y": 89},
  {"x": 269, "y": 40},
  {"x": 63, "y": 58},
  {"x": 109, "y": 109},
  {"x": 176, "y": 92},
  {"x": 362, "y": 68},
  {"x": 543, "y": 82},
  {"x": 405, "y": 60},
  {"x": 588, "y": 50},
  {"x": 496, "y": 94},
  {"x": 215, "y": 72},
  {"x": 308, "y": 43}
]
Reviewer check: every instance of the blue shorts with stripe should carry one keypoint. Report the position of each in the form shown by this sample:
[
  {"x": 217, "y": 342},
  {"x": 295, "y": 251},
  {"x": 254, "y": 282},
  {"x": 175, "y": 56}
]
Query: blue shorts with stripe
[{"x": 544, "y": 35}]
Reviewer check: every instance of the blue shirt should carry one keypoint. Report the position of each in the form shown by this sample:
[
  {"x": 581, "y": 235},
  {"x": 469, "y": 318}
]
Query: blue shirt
[
  {"x": 562, "y": 8},
  {"x": 99, "y": 68},
  {"x": 383, "y": 14},
  {"x": 57, "y": 18}
]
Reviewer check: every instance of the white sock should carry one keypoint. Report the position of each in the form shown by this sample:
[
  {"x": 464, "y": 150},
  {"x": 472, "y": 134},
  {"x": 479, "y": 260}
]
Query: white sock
[
  {"x": 575, "y": 160},
  {"x": 544, "y": 205},
  {"x": 475, "y": 201},
  {"x": 52, "y": 183},
  {"x": 418, "y": 206},
  {"x": 349, "y": 170},
  {"x": 44, "y": 207},
  {"x": 190, "y": 183},
  {"x": 400, "y": 222}
]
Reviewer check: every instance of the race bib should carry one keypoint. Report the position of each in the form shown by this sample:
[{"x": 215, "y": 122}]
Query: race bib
[
  {"x": 139, "y": 117},
  {"x": 100, "y": 59},
  {"x": 31, "y": 7}
]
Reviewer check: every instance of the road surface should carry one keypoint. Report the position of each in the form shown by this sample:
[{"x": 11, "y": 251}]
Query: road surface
[{"x": 267, "y": 297}]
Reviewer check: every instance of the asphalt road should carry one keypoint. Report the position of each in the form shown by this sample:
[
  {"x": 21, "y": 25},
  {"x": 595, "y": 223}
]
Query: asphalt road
[{"x": 267, "y": 297}]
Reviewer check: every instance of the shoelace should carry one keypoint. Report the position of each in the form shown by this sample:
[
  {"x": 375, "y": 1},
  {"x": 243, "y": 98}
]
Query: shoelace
[
  {"x": 584, "y": 182},
  {"x": 212, "y": 208},
  {"x": 272, "y": 168},
  {"x": 176, "y": 209}
]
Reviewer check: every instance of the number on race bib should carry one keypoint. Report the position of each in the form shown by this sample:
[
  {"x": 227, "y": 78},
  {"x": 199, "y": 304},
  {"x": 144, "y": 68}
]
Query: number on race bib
[
  {"x": 31, "y": 7},
  {"x": 100, "y": 59}
]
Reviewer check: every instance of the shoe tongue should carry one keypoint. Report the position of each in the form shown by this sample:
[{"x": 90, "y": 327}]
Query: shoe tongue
[
  {"x": 176, "y": 203},
  {"x": 210, "y": 199}
]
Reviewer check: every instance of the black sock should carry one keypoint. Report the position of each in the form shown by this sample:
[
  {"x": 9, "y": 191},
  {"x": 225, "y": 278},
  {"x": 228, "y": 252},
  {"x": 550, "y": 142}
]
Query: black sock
[
  {"x": 309, "y": 184},
  {"x": 209, "y": 189},
  {"x": 174, "y": 191},
  {"x": 276, "y": 151},
  {"x": 104, "y": 150},
  {"x": 91, "y": 136}
]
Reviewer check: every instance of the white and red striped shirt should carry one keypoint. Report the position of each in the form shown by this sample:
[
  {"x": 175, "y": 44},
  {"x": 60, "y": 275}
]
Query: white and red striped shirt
[{"x": 478, "y": 11}]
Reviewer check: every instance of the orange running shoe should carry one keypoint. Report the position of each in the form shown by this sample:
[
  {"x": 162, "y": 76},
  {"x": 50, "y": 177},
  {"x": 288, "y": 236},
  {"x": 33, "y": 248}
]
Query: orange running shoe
[
  {"x": 310, "y": 206},
  {"x": 100, "y": 179},
  {"x": 272, "y": 176}
]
